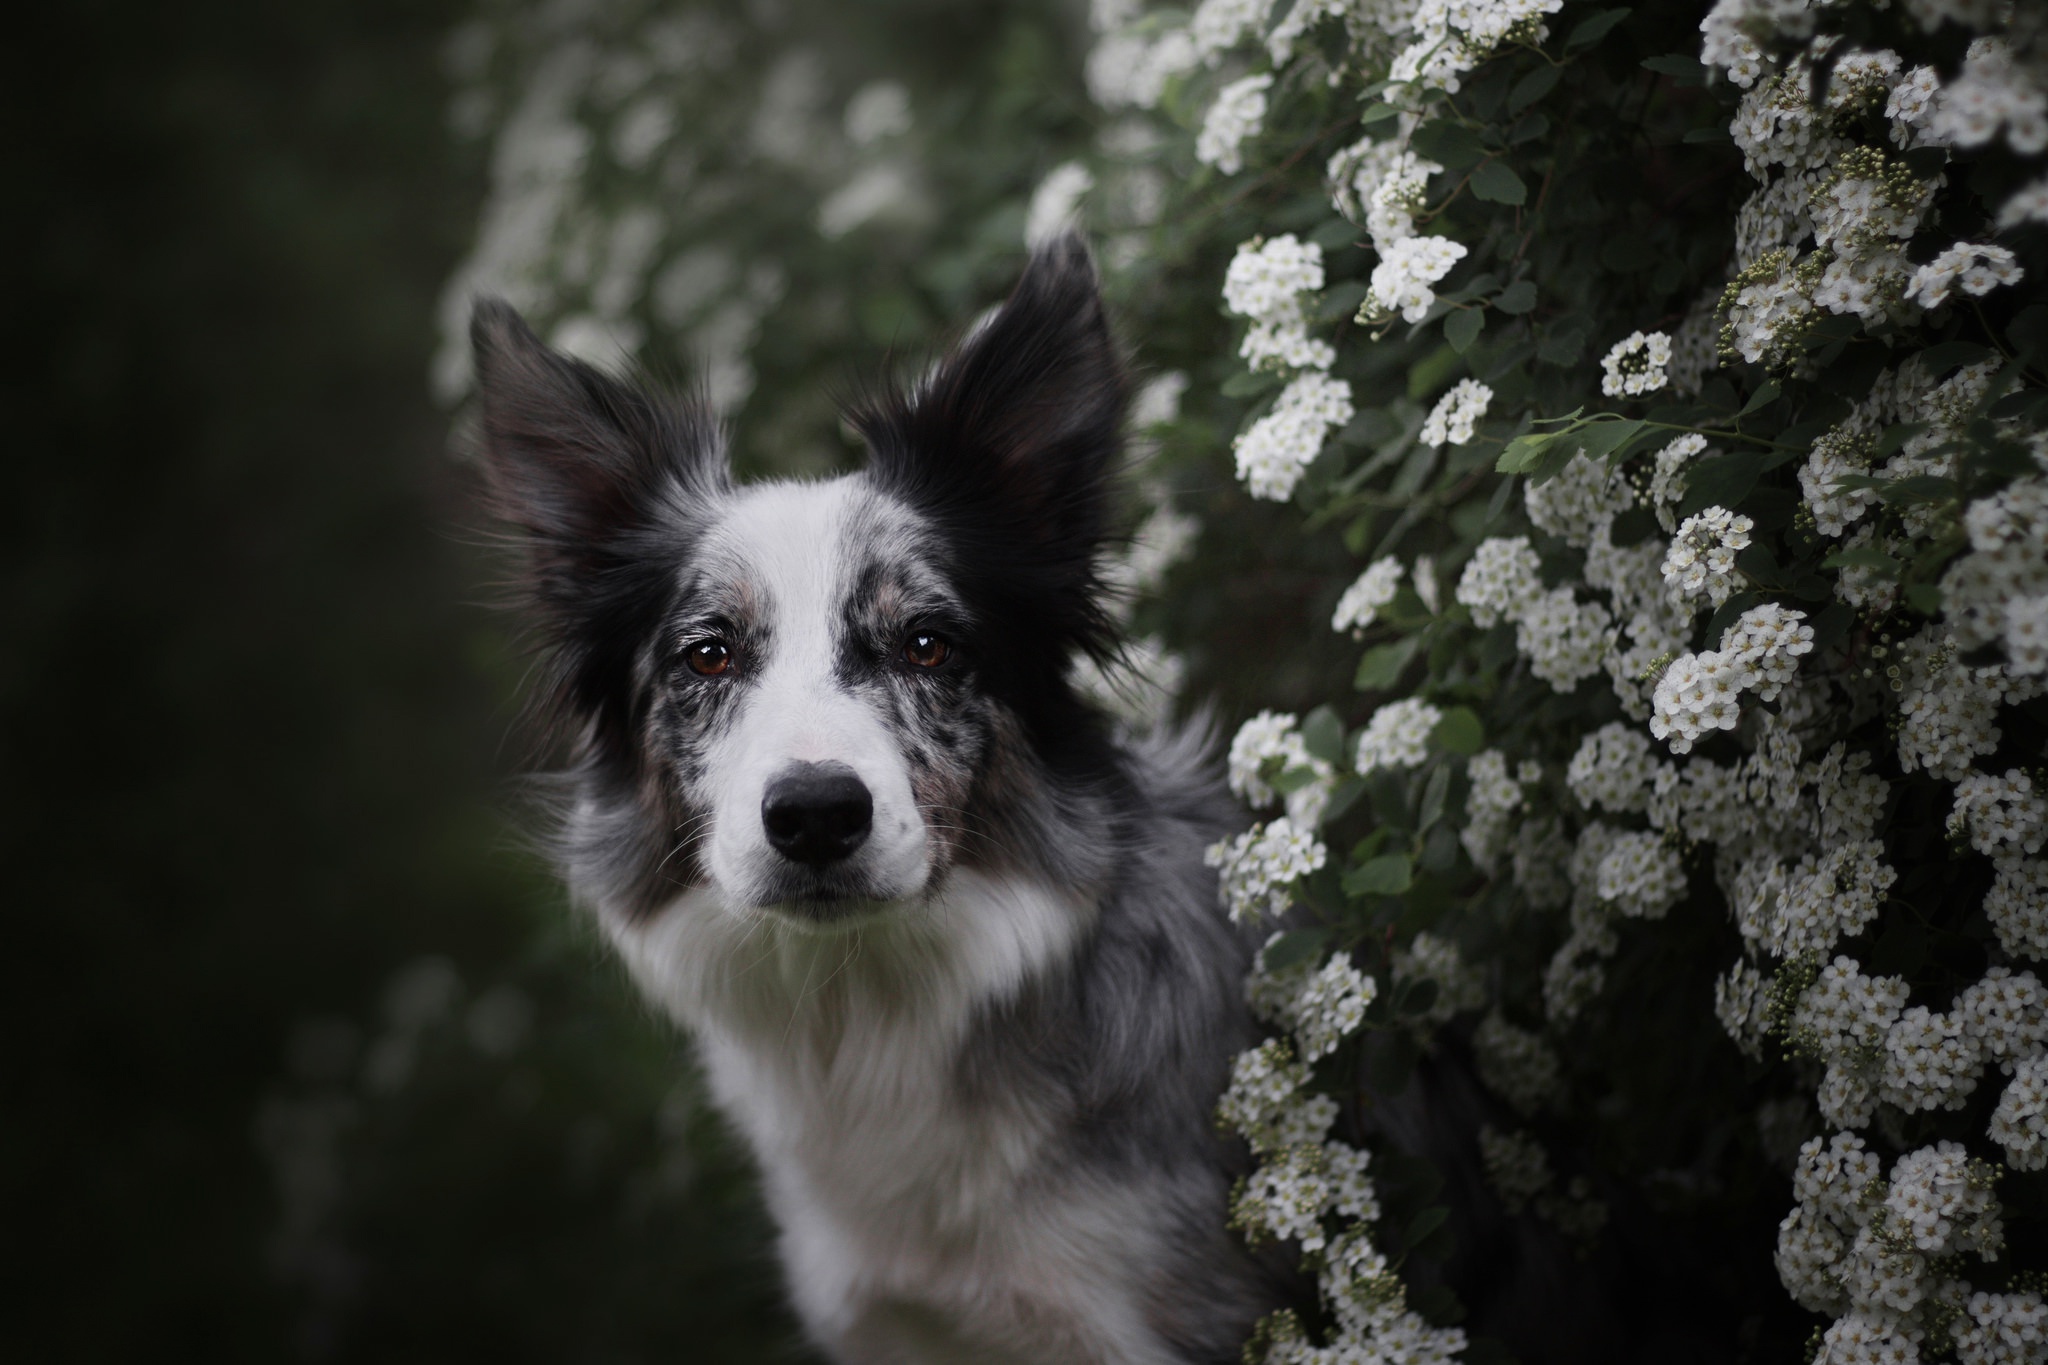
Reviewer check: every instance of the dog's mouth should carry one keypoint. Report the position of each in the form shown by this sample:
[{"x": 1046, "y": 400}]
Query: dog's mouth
[{"x": 824, "y": 897}]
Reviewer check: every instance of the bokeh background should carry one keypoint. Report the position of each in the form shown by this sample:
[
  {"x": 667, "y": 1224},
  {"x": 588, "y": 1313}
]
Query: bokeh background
[{"x": 305, "y": 1057}]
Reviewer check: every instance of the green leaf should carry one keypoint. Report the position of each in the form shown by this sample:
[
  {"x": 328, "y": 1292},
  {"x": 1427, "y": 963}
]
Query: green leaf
[
  {"x": 1387, "y": 875},
  {"x": 1591, "y": 31},
  {"x": 1517, "y": 298},
  {"x": 1381, "y": 668},
  {"x": 1721, "y": 482},
  {"x": 1379, "y": 113},
  {"x": 1524, "y": 453},
  {"x": 1335, "y": 234},
  {"x": 1322, "y": 734},
  {"x": 1419, "y": 996},
  {"x": 1341, "y": 300},
  {"x": 1459, "y": 732},
  {"x": 1295, "y": 947},
  {"x": 1426, "y": 1222},
  {"x": 1937, "y": 361},
  {"x": 1831, "y": 627},
  {"x": 1343, "y": 798},
  {"x": 1598, "y": 439},
  {"x": 1462, "y": 328},
  {"x": 1432, "y": 808},
  {"x": 1682, "y": 69},
  {"x": 1924, "y": 598},
  {"x": 1249, "y": 383},
  {"x": 1921, "y": 488},
  {"x": 1496, "y": 183},
  {"x": 1291, "y": 780},
  {"x": 1762, "y": 398},
  {"x": 1438, "y": 1304},
  {"x": 1714, "y": 134},
  {"x": 1561, "y": 345},
  {"x": 1449, "y": 144},
  {"x": 1533, "y": 87},
  {"x": 1875, "y": 560},
  {"x": 1432, "y": 372}
]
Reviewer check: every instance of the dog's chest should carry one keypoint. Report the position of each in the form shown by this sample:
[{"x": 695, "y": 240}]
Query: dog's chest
[{"x": 924, "y": 1224}]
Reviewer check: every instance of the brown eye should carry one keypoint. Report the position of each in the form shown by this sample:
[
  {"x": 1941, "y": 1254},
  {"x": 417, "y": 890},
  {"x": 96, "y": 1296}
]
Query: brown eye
[
  {"x": 926, "y": 650},
  {"x": 709, "y": 658}
]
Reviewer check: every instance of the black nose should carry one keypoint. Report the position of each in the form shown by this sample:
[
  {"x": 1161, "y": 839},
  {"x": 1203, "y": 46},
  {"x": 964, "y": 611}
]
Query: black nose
[{"x": 817, "y": 813}]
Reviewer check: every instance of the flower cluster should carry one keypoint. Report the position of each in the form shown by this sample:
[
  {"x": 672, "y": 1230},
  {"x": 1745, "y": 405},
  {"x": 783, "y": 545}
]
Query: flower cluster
[
  {"x": 1456, "y": 415},
  {"x": 1636, "y": 365},
  {"x": 1701, "y": 560},
  {"x": 1360, "y": 605},
  {"x": 1259, "y": 868},
  {"x": 1702, "y": 692},
  {"x": 1803, "y": 546}
]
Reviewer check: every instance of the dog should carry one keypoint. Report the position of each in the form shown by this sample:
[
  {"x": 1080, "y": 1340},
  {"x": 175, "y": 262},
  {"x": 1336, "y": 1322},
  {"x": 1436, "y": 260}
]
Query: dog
[{"x": 944, "y": 938}]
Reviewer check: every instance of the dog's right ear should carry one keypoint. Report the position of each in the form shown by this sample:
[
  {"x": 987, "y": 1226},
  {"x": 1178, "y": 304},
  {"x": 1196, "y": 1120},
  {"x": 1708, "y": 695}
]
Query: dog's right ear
[{"x": 599, "y": 479}]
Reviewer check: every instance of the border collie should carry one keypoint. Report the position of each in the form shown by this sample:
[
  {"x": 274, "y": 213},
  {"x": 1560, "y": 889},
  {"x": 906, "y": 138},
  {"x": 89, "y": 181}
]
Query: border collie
[{"x": 945, "y": 941}]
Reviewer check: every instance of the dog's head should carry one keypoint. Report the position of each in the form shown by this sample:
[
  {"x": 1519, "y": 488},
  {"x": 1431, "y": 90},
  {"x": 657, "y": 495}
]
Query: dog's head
[{"x": 818, "y": 697}]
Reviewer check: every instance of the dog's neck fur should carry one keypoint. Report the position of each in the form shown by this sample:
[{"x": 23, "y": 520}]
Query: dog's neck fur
[{"x": 900, "y": 1186}]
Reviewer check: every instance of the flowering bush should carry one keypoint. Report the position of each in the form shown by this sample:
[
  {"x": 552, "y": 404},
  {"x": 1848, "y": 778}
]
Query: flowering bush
[
  {"x": 1637, "y": 559},
  {"x": 1677, "y": 380}
]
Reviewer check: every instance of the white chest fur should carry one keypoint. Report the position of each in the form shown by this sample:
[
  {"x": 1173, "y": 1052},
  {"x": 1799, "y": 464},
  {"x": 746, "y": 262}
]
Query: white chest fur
[{"x": 921, "y": 1224}]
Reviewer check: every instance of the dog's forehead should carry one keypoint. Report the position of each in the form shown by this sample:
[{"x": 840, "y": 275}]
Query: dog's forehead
[{"x": 788, "y": 546}]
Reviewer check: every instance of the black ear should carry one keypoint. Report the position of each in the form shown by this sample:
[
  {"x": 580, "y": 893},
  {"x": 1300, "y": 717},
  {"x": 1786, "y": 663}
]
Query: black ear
[
  {"x": 598, "y": 480},
  {"x": 1010, "y": 443}
]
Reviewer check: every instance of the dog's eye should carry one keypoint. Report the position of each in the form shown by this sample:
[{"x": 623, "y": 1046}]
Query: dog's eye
[
  {"x": 925, "y": 650},
  {"x": 709, "y": 658}
]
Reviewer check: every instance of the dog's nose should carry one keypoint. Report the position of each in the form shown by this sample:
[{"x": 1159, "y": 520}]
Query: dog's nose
[{"x": 817, "y": 813}]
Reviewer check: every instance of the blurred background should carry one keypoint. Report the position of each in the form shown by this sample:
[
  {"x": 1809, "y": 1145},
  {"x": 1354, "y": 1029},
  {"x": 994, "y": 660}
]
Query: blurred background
[{"x": 305, "y": 1058}]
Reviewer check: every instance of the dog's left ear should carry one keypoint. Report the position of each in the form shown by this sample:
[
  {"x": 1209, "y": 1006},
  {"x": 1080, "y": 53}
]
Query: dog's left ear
[{"x": 1010, "y": 443}]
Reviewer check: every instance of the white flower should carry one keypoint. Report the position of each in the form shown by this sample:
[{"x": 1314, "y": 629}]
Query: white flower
[
  {"x": 1701, "y": 560},
  {"x": 1126, "y": 70},
  {"x": 1360, "y": 605},
  {"x": 1267, "y": 278},
  {"x": 1516, "y": 1064},
  {"x": 1260, "y": 865},
  {"x": 1265, "y": 737},
  {"x": 1667, "y": 478},
  {"x": 2001, "y": 815},
  {"x": 1515, "y": 1164},
  {"x": 1563, "y": 639},
  {"x": 1975, "y": 268},
  {"x": 1493, "y": 799},
  {"x": 1636, "y": 365},
  {"x": 1641, "y": 875},
  {"x": 1457, "y": 414},
  {"x": 2020, "y": 1123},
  {"x": 1929, "y": 1061},
  {"x": 1273, "y": 451},
  {"x": 2027, "y": 204},
  {"x": 2006, "y": 1016},
  {"x": 1401, "y": 281},
  {"x": 1501, "y": 578},
  {"x": 2017, "y": 906},
  {"x": 1992, "y": 93},
  {"x": 1613, "y": 768},
  {"x": 1579, "y": 502},
  {"x": 1939, "y": 1204},
  {"x": 1264, "y": 1104},
  {"x": 1238, "y": 113},
  {"x": 1330, "y": 1007},
  {"x": 1397, "y": 736},
  {"x": 2001, "y": 1329}
]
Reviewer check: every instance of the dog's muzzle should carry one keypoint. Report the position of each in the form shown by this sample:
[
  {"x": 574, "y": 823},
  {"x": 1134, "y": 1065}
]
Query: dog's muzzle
[{"x": 817, "y": 814}]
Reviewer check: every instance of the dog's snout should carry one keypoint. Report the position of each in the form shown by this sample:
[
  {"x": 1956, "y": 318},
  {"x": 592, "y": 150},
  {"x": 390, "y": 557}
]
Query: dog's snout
[{"x": 817, "y": 813}]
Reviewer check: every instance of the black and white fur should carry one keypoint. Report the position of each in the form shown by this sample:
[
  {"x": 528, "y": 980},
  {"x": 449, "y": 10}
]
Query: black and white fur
[{"x": 977, "y": 1043}]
